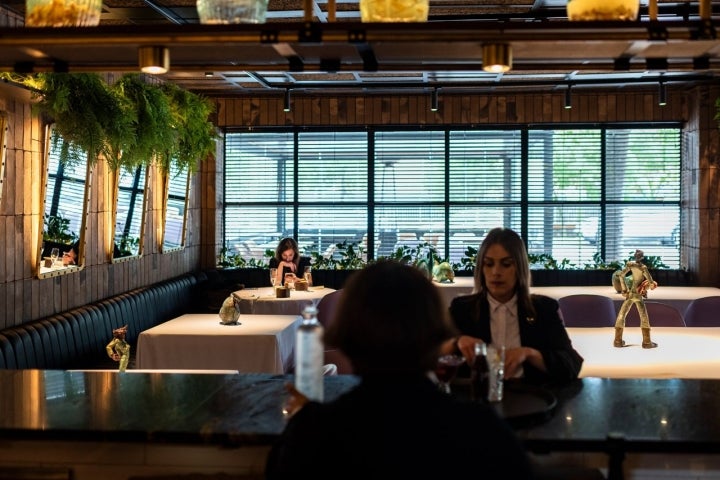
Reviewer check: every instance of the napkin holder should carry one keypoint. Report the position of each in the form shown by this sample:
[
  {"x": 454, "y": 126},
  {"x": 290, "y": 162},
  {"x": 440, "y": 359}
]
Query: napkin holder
[
  {"x": 301, "y": 285},
  {"x": 282, "y": 292}
]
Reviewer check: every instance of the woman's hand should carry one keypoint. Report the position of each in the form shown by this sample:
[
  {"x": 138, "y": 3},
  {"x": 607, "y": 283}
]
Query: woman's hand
[
  {"x": 290, "y": 265},
  {"x": 465, "y": 344}
]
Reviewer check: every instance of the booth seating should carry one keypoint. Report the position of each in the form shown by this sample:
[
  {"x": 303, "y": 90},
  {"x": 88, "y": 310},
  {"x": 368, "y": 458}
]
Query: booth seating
[{"x": 76, "y": 339}]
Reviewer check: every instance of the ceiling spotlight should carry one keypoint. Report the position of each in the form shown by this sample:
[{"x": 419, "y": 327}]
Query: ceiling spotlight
[
  {"x": 496, "y": 57},
  {"x": 568, "y": 97},
  {"x": 153, "y": 59},
  {"x": 208, "y": 74},
  {"x": 286, "y": 102},
  {"x": 662, "y": 94},
  {"x": 435, "y": 101}
]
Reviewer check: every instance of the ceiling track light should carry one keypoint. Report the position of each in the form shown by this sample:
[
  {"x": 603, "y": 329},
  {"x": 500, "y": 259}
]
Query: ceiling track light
[
  {"x": 496, "y": 57},
  {"x": 435, "y": 101},
  {"x": 662, "y": 94},
  {"x": 568, "y": 97},
  {"x": 154, "y": 59},
  {"x": 286, "y": 101}
]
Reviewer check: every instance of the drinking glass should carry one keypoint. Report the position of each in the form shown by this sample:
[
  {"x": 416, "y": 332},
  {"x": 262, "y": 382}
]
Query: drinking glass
[
  {"x": 446, "y": 369},
  {"x": 496, "y": 367},
  {"x": 273, "y": 276},
  {"x": 54, "y": 254},
  {"x": 307, "y": 275},
  {"x": 290, "y": 280}
]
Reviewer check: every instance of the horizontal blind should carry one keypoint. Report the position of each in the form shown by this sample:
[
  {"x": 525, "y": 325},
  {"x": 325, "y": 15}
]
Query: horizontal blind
[
  {"x": 129, "y": 210},
  {"x": 65, "y": 193},
  {"x": 175, "y": 208}
]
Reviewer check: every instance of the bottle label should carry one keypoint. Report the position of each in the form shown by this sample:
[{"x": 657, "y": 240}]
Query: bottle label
[{"x": 309, "y": 362}]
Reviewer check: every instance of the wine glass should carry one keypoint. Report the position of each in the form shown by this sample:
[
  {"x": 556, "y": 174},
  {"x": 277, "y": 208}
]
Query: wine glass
[
  {"x": 54, "y": 254},
  {"x": 273, "y": 276},
  {"x": 446, "y": 369},
  {"x": 307, "y": 275}
]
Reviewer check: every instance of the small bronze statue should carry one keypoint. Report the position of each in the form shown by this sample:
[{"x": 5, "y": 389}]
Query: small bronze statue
[
  {"x": 635, "y": 293},
  {"x": 118, "y": 349}
]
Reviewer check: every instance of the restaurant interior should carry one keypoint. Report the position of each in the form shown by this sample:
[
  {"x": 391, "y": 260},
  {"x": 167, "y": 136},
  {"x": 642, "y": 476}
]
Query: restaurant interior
[{"x": 314, "y": 64}]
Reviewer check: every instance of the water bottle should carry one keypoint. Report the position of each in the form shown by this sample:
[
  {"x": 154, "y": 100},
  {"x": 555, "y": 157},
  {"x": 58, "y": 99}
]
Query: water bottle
[
  {"x": 309, "y": 355},
  {"x": 480, "y": 374}
]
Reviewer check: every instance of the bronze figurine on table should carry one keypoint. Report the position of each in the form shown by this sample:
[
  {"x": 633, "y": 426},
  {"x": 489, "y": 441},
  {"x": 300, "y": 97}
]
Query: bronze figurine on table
[
  {"x": 635, "y": 293},
  {"x": 119, "y": 349}
]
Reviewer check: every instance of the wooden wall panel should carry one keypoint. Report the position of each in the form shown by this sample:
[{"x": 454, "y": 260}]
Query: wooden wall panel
[{"x": 24, "y": 298}]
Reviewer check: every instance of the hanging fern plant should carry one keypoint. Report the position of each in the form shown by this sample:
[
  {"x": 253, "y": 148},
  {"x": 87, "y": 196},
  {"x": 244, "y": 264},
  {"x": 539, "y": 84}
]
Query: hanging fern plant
[
  {"x": 88, "y": 115},
  {"x": 152, "y": 130},
  {"x": 195, "y": 134},
  {"x": 129, "y": 124}
]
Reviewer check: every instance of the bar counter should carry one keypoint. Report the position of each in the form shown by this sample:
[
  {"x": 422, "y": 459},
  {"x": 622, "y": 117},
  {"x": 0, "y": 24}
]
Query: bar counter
[{"x": 150, "y": 422}]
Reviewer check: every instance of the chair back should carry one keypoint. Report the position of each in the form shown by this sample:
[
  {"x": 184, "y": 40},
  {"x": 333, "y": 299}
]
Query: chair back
[
  {"x": 660, "y": 315},
  {"x": 326, "y": 315},
  {"x": 703, "y": 312},
  {"x": 587, "y": 310},
  {"x": 327, "y": 306}
]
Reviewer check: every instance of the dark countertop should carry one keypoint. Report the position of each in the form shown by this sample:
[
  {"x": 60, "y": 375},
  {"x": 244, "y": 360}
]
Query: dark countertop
[
  {"x": 225, "y": 409},
  {"x": 228, "y": 409}
]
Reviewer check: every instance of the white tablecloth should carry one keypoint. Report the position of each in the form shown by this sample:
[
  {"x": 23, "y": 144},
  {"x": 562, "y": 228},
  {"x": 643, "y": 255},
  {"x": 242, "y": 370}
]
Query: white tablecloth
[
  {"x": 678, "y": 297},
  {"x": 682, "y": 352},
  {"x": 264, "y": 301},
  {"x": 260, "y": 344}
]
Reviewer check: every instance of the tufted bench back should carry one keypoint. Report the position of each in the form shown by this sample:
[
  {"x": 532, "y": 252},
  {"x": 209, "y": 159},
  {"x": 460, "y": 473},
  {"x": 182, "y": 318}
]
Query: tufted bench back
[{"x": 77, "y": 338}]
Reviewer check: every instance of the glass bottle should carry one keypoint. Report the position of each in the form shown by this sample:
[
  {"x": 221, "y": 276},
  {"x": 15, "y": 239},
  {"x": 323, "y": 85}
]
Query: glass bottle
[
  {"x": 309, "y": 355},
  {"x": 480, "y": 374}
]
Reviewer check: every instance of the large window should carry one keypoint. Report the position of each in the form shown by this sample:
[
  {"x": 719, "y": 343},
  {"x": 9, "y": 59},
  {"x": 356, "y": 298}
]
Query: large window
[{"x": 573, "y": 193}]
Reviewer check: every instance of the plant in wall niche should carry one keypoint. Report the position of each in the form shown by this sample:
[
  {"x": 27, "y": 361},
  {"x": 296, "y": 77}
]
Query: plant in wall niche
[
  {"x": 194, "y": 134},
  {"x": 57, "y": 229}
]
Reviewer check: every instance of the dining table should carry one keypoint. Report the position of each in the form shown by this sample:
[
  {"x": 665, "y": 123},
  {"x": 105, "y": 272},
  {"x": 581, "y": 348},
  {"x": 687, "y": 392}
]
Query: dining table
[
  {"x": 677, "y": 296},
  {"x": 257, "y": 344},
  {"x": 265, "y": 301}
]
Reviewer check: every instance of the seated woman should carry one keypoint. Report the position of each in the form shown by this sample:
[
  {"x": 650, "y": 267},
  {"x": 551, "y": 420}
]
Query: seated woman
[
  {"x": 287, "y": 259},
  {"x": 395, "y": 423},
  {"x": 501, "y": 310}
]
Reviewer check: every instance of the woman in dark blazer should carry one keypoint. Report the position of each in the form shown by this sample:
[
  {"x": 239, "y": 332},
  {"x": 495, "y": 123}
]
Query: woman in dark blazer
[{"x": 502, "y": 310}]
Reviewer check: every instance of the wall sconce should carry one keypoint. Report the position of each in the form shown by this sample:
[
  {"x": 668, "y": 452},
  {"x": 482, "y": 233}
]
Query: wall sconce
[
  {"x": 662, "y": 94},
  {"x": 496, "y": 57},
  {"x": 286, "y": 102},
  {"x": 568, "y": 97},
  {"x": 434, "y": 100},
  {"x": 153, "y": 59}
]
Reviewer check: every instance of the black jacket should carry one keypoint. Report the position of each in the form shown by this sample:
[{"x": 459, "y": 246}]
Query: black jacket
[
  {"x": 397, "y": 427},
  {"x": 544, "y": 332}
]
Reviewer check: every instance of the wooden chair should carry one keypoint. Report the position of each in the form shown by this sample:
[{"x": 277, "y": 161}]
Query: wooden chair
[
  {"x": 660, "y": 314},
  {"x": 703, "y": 312},
  {"x": 587, "y": 310}
]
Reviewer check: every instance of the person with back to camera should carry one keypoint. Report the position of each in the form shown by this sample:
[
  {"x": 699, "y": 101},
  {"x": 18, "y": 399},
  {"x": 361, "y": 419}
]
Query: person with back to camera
[
  {"x": 287, "y": 259},
  {"x": 396, "y": 423},
  {"x": 502, "y": 310}
]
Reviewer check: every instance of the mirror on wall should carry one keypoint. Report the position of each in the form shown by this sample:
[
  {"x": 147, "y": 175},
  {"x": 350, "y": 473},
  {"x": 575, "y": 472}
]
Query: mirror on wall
[
  {"x": 63, "y": 221},
  {"x": 3, "y": 148},
  {"x": 177, "y": 184},
  {"x": 129, "y": 213}
]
